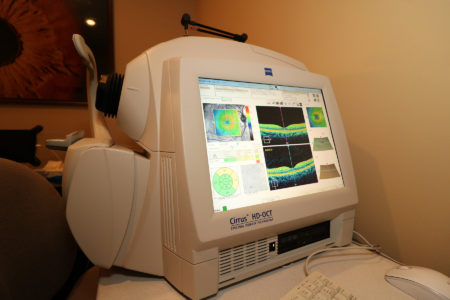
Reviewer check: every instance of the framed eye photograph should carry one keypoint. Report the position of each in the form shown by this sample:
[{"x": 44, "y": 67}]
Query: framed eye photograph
[{"x": 38, "y": 61}]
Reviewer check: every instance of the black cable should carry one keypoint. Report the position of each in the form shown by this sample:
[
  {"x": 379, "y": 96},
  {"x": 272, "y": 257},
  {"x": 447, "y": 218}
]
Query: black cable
[{"x": 186, "y": 21}]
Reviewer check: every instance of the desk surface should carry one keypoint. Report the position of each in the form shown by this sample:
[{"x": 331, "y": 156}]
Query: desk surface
[{"x": 359, "y": 271}]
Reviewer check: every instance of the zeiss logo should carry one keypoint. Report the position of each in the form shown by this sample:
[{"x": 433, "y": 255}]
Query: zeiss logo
[{"x": 268, "y": 71}]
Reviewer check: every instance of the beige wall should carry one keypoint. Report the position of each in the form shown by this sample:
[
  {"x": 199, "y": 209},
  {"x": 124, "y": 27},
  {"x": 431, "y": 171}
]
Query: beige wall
[
  {"x": 389, "y": 64},
  {"x": 139, "y": 24}
]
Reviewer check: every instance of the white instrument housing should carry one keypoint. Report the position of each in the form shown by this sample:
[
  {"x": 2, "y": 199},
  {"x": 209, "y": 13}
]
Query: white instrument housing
[{"x": 154, "y": 213}]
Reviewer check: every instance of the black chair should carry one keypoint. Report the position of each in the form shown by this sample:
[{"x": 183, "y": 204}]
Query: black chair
[{"x": 38, "y": 254}]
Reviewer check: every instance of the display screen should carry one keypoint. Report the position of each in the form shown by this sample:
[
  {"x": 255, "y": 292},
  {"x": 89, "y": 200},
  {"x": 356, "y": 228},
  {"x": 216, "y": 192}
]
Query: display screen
[{"x": 266, "y": 142}]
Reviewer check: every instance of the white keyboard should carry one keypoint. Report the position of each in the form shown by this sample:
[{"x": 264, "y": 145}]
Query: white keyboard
[{"x": 317, "y": 287}]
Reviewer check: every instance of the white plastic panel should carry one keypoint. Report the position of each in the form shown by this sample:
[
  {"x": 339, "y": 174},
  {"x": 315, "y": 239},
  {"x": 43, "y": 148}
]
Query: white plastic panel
[
  {"x": 193, "y": 174},
  {"x": 134, "y": 100},
  {"x": 99, "y": 201},
  {"x": 72, "y": 155},
  {"x": 141, "y": 249},
  {"x": 280, "y": 57}
]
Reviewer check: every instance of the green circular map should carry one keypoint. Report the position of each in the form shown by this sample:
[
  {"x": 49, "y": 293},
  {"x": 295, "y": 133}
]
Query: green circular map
[{"x": 225, "y": 182}]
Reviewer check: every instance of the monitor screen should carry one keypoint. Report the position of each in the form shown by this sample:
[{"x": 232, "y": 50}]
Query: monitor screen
[{"x": 266, "y": 142}]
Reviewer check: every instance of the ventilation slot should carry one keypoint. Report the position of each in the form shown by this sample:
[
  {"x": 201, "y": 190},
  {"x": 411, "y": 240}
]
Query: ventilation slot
[
  {"x": 168, "y": 207},
  {"x": 239, "y": 258}
]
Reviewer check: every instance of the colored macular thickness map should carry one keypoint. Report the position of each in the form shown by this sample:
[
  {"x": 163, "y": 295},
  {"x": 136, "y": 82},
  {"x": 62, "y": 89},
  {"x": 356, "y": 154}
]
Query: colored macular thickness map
[
  {"x": 225, "y": 182},
  {"x": 226, "y": 122},
  {"x": 316, "y": 117}
]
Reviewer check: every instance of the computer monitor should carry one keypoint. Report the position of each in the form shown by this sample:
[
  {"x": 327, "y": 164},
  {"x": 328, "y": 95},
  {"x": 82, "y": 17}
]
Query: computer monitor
[
  {"x": 246, "y": 167},
  {"x": 266, "y": 142}
]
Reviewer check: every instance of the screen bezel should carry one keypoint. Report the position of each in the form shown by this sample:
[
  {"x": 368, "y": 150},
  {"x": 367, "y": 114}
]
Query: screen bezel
[{"x": 194, "y": 189}]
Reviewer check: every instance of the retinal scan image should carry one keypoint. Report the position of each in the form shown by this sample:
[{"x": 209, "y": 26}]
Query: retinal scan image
[
  {"x": 226, "y": 122},
  {"x": 289, "y": 166},
  {"x": 282, "y": 125},
  {"x": 316, "y": 117}
]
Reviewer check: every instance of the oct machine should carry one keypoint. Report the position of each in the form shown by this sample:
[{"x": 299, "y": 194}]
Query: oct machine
[{"x": 246, "y": 165}]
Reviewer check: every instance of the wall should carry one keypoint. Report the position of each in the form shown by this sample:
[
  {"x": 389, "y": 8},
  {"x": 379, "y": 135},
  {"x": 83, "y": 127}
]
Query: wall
[
  {"x": 388, "y": 62},
  {"x": 139, "y": 24}
]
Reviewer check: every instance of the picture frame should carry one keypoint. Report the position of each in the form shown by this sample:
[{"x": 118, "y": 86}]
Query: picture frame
[{"x": 38, "y": 61}]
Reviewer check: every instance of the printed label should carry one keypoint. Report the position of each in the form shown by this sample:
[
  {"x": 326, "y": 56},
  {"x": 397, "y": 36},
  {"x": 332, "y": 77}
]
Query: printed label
[{"x": 251, "y": 219}]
